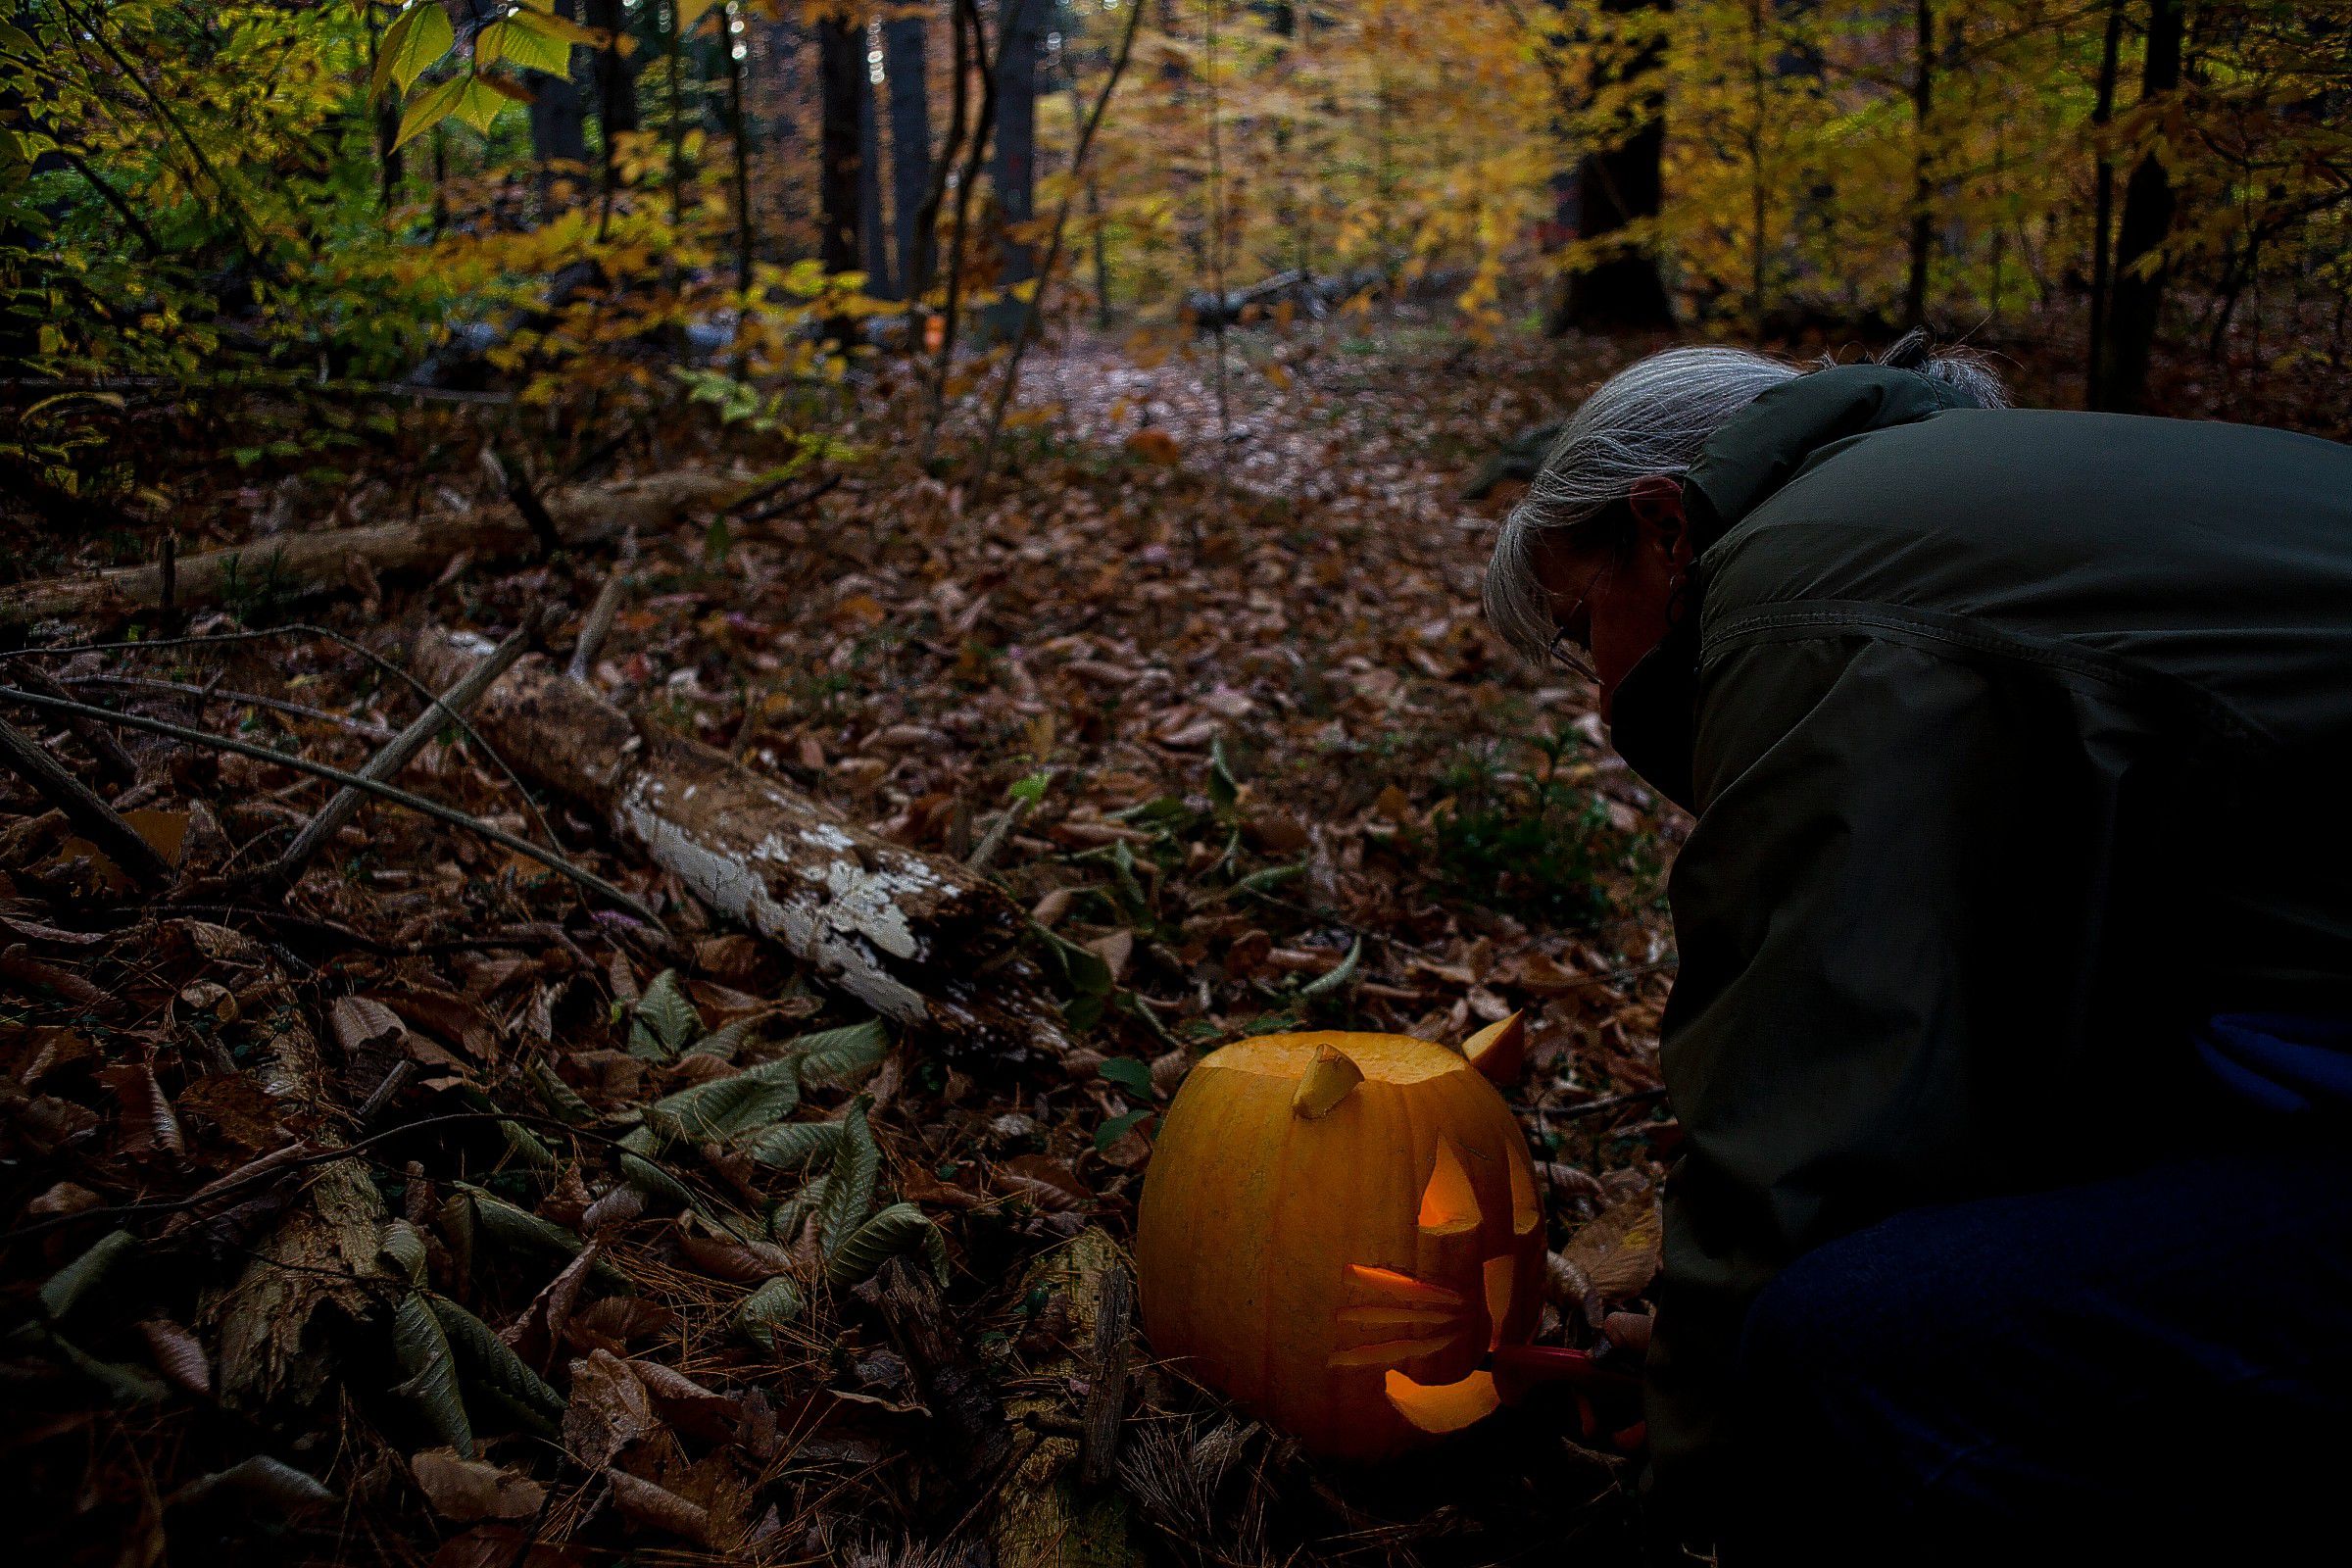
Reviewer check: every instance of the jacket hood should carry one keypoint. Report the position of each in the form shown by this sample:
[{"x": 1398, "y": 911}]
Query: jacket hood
[
  {"x": 1775, "y": 438},
  {"x": 1758, "y": 451}
]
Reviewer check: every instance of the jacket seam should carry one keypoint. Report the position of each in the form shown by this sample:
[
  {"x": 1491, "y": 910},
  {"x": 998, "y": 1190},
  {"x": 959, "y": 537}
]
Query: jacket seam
[{"x": 1943, "y": 630}]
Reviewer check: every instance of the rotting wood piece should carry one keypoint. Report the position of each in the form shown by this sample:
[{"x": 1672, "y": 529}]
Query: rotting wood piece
[
  {"x": 327, "y": 562},
  {"x": 919, "y": 939}
]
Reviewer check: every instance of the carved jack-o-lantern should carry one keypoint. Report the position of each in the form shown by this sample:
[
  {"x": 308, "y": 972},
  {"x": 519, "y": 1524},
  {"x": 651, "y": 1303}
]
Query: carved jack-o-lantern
[{"x": 1338, "y": 1230}]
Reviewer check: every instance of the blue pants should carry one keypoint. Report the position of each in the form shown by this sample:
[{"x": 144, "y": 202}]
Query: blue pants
[{"x": 2135, "y": 1364}]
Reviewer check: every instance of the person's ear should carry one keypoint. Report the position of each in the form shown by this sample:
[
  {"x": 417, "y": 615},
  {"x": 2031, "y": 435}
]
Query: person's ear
[{"x": 1657, "y": 500}]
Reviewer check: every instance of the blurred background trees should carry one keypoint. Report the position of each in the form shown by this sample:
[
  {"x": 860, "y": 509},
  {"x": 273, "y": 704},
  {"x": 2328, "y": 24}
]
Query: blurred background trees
[{"x": 569, "y": 197}]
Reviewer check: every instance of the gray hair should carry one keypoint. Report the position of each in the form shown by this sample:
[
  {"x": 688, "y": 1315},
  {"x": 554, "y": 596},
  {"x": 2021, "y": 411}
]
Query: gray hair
[{"x": 1653, "y": 417}]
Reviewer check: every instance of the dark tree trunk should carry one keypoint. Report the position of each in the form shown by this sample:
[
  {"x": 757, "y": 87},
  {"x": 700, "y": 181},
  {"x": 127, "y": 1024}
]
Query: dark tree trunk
[
  {"x": 560, "y": 113},
  {"x": 739, "y": 119},
  {"x": 1923, "y": 104},
  {"x": 2102, "y": 223},
  {"x": 841, "y": 68},
  {"x": 1013, "y": 169},
  {"x": 2147, "y": 220},
  {"x": 874, "y": 232},
  {"x": 906, "y": 65},
  {"x": 615, "y": 71},
  {"x": 391, "y": 160},
  {"x": 1618, "y": 186}
]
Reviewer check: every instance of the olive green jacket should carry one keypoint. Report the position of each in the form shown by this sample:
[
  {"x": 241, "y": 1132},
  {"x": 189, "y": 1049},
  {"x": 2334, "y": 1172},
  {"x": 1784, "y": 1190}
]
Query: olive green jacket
[{"x": 2018, "y": 743}]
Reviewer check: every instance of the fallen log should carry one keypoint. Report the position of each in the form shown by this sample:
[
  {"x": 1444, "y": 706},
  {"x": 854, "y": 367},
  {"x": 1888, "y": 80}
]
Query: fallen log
[
  {"x": 922, "y": 940},
  {"x": 331, "y": 560}
]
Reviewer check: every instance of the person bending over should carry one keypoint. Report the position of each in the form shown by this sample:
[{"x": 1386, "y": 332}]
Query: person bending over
[{"x": 2014, "y": 1015}]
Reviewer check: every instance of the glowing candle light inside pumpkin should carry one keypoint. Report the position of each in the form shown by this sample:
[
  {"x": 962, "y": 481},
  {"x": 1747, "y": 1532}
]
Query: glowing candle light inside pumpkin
[{"x": 1336, "y": 1230}]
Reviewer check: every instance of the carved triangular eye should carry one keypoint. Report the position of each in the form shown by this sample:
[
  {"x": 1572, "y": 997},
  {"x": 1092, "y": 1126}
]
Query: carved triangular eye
[{"x": 1449, "y": 1203}]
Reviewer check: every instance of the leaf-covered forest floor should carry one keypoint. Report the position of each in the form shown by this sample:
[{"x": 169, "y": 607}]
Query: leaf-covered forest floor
[{"x": 436, "y": 1210}]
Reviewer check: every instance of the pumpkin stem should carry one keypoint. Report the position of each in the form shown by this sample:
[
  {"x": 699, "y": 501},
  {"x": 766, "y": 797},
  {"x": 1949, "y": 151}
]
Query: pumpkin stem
[{"x": 1329, "y": 1079}]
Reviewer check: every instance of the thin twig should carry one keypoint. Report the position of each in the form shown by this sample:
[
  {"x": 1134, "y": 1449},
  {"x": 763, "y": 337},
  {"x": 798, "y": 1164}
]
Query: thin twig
[
  {"x": 235, "y": 699},
  {"x": 360, "y": 650},
  {"x": 992, "y": 842},
  {"x": 96, "y": 821},
  {"x": 113, "y": 760},
  {"x": 449, "y": 814},
  {"x": 258, "y": 384},
  {"x": 599, "y": 624},
  {"x": 525, "y": 501},
  {"x": 1603, "y": 1106},
  {"x": 397, "y": 751}
]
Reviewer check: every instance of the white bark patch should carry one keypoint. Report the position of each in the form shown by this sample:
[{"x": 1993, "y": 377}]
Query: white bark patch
[{"x": 836, "y": 928}]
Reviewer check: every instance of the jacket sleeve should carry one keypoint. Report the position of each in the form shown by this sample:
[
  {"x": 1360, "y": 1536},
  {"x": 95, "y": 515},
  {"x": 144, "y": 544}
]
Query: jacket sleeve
[{"x": 1846, "y": 991}]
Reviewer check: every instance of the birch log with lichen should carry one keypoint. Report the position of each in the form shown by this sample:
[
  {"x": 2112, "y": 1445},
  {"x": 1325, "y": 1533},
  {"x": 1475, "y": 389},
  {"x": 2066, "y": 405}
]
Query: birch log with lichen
[{"x": 921, "y": 940}]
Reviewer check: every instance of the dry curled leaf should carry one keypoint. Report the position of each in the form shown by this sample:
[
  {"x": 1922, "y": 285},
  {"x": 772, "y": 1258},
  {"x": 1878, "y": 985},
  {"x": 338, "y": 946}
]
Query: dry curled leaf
[
  {"x": 697, "y": 1411},
  {"x": 660, "y": 1508},
  {"x": 149, "y": 1124},
  {"x": 608, "y": 1409},
  {"x": 1612, "y": 1258},
  {"x": 470, "y": 1490},
  {"x": 177, "y": 1355},
  {"x": 1046, "y": 1183},
  {"x": 727, "y": 1258}
]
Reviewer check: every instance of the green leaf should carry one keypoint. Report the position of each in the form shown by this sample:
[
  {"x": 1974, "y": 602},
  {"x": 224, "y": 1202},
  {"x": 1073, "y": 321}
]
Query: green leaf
[
  {"x": 769, "y": 1308},
  {"x": 640, "y": 1172},
  {"x": 755, "y": 1098},
  {"x": 725, "y": 1042},
  {"x": 504, "y": 1222},
  {"x": 405, "y": 1248},
  {"x": 483, "y": 99},
  {"x": 1339, "y": 975},
  {"x": 850, "y": 1187},
  {"x": 1272, "y": 877},
  {"x": 797, "y": 1146},
  {"x": 842, "y": 1057},
  {"x": 559, "y": 1096},
  {"x": 1130, "y": 1074},
  {"x": 431, "y": 1373},
  {"x": 1131, "y": 890},
  {"x": 791, "y": 1216},
  {"x": 1083, "y": 968},
  {"x": 1031, "y": 790},
  {"x": 1116, "y": 1128},
  {"x": 417, "y": 36},
  {"x": 428, "y": 110},
  {"x": 665, "y": 1020},
  {"x": 527, "y": 1146},
  {"x": 123, "y": 1383},
  {"x": 544, "y": 22},
  {"x": 900, "y": 1228},
  {"x": 1224, "y": 790},
  {"x": 490, "y": 1362},
  {"x": 68, "y": 1285},
  {"x": 517, "y": 43}
]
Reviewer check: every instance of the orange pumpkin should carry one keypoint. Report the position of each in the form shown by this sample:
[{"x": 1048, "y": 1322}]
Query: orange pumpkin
[{"x": 1337, "y": 1230}]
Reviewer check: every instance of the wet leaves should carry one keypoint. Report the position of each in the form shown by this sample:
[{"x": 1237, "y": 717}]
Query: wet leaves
[{"x": 675, "y": 1201}]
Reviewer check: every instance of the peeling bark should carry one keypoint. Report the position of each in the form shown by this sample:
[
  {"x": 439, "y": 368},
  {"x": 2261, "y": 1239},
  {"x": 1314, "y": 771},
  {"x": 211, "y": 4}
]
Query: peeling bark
[
  {"x": 920, "y": 940},
  {"x": 331, "y": 560}
]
